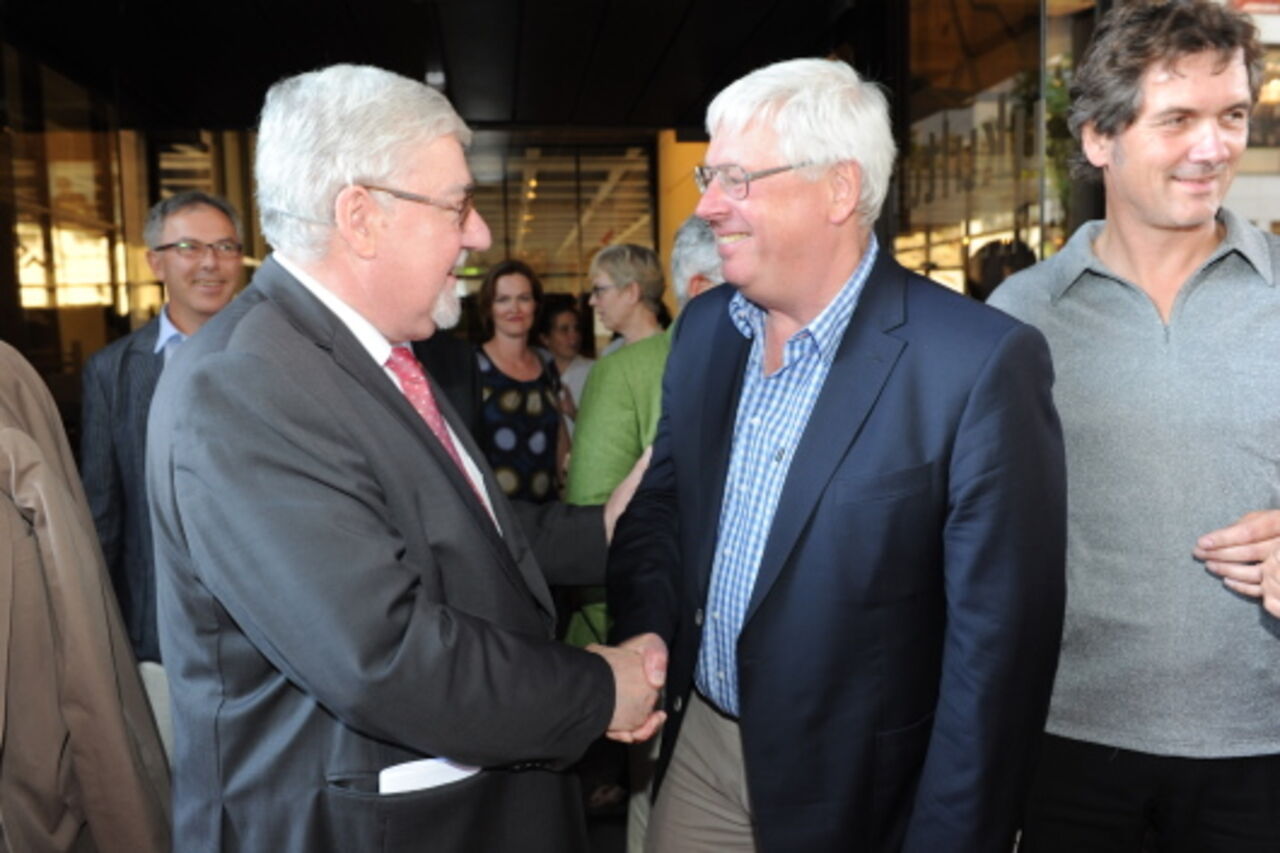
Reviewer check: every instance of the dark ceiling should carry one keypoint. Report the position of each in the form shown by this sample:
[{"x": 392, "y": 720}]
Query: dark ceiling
[{"x": 506, "y": 63}]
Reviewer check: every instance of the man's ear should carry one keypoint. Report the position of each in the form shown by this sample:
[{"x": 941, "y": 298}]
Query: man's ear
[
  {"x": 358, "y": 219},
  {"x": 1096, "y": 146},
  {"x": 153, "y": 261},
  {"x": 845, "y": 187},
  {"x": 697, "y": 283}
]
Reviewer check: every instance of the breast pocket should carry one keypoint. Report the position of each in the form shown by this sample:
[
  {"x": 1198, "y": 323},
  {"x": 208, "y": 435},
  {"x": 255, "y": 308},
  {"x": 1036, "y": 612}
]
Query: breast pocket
[
  {"x": 889, "y": 526},
  {"x": 884, "y": 485}
]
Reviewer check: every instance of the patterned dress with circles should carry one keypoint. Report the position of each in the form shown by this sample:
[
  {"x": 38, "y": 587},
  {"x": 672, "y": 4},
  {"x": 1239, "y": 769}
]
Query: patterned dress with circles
[{"x": 519, "y": 427}]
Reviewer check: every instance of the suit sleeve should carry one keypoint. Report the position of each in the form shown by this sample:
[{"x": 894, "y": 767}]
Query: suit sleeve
[
  {"x": 644, "y": 572},
  {"x": 567, "y": 541},
  {"x": 291, "y": 532},
  {"x": 1005, "y": 545},
  {"x": 99, "y": 470}
]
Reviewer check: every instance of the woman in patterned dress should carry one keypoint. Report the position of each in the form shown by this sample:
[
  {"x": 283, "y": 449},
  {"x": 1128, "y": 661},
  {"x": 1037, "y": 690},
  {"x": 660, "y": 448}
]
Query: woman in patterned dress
[{"x": 522, "y": 432}]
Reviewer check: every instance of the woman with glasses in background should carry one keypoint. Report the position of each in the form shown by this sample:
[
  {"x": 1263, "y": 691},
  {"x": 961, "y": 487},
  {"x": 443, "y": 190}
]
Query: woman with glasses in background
[{"x": 626, "y": 291}]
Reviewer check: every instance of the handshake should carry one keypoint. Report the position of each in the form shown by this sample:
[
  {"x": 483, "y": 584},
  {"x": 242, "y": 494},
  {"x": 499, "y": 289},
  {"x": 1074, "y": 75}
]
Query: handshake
[{"x": 639, "y": 671}]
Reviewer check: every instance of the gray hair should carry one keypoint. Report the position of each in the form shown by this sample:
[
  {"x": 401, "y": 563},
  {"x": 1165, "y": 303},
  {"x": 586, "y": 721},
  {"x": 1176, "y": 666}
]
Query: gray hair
[
  {"x": 325, "y": 130},
  {"x": 163, "y": 209},
  {"x": 694, "y": 253},
  {"x": 624, "y": 263},
  {"x": 823, "y": 113},
  {"x": 1107, "y": 88}
]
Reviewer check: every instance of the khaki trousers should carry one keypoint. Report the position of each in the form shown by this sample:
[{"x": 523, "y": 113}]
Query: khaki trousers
[{"x": 702, "y": 806}]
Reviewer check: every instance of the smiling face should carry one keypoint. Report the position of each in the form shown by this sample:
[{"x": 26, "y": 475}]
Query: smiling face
[
  {"x": 514, "y": 305},
  {"x": 1172, "y": 167},
  {"x": 200, "y": 286},
  {"x": 772, "y": 239},
  {"x": 419, "y": 246}
]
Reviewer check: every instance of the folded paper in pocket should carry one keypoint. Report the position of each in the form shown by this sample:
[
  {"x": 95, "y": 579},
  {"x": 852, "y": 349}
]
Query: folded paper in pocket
[{"x": 422, "y": 774}]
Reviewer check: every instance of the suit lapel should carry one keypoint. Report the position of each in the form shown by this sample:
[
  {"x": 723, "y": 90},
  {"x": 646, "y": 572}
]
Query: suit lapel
[
  {"x": 330, "y": 334},
  {"x": 720, "y": 391},
  {"x": 865, "y": 359},
  {"x": 511, "y": 529},
  {"x": 141, "y": 370}
]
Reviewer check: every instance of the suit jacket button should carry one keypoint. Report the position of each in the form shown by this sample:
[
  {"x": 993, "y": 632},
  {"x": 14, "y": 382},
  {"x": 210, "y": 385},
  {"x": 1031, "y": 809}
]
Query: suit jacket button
[
  {"x": 678, "y": 704},
  {"x": 697, "y": 617}
]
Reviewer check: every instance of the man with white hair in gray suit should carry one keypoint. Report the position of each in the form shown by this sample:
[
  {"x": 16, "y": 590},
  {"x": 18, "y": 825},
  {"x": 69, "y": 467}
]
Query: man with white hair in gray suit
[{"x": 357, "y": 633}]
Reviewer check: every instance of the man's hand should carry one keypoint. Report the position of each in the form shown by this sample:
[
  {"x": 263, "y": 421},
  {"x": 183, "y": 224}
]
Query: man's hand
[
  {"x": 621, "y": 496},
  {"x": 1271, "y": 584},
  {"x": 639, "y": 671},
  {"x": 1236, "y": 553},
  {"x": 654, "y": 652}
]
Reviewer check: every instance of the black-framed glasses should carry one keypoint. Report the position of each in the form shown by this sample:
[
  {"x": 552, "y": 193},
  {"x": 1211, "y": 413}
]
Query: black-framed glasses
[
  {"x": 735, "y": 180},
  {"x": 196, "y": 248},
  {"x": 461, "y": 209}
]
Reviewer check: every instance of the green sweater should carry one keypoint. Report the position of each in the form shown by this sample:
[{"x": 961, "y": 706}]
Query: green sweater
[{"x": 617, "y": 418}]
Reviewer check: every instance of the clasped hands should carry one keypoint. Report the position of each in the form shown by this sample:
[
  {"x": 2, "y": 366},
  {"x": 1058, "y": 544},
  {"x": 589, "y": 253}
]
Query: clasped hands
[
  {"x": 639, "y": 672},
  {"x": 1246, "y": 556}
]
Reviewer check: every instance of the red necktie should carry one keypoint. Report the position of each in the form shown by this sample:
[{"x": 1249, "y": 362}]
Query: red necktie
[{"x": 413, "y": 381}]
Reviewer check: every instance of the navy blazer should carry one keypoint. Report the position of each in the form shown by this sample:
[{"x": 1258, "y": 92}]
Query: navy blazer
[
  {"x": 118, "y": 383},
  {"x": 899, "y": 647}
]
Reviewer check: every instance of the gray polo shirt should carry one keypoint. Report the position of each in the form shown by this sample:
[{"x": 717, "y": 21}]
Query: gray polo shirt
[{"x": 1171, "y": 432}]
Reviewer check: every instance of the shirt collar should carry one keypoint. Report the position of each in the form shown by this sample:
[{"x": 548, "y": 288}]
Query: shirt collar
[
  {"x": 829, "y": 326},
  {"x": 1077, "y": 257},
  {"x": 378, "y": 347},
  {"x": 167, "y": 331}
]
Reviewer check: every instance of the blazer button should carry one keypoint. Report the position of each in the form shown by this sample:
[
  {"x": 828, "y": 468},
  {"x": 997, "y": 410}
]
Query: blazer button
[
  {"x": 678, "y": 705},
  {"x": 697, "y": 617}
]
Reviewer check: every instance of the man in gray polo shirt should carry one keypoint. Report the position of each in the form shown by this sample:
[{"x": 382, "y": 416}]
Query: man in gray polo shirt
[{"x": 1164, "y": 325}]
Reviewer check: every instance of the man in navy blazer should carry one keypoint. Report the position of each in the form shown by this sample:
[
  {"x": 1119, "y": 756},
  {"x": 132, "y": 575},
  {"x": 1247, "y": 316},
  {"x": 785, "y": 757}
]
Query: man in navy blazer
[{"x": 850, "y": 539}]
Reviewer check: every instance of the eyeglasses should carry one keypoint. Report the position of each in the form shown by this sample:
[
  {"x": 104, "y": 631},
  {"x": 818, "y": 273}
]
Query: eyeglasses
[
  {"x": 735, "y": 180},
  {"x": 462, "y": 209},
  {"x": 597, "y": 289},
  {"x": 195, "y": 248}
]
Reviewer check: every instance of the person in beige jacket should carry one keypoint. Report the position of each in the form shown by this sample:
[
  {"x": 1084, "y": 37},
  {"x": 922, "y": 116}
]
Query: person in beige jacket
[{"x": 81, "y": 766}]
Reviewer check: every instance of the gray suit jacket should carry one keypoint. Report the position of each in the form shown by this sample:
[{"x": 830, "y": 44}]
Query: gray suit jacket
[
  {"x": 119, "y": 382},
  {"x": 334, "y": 600}
]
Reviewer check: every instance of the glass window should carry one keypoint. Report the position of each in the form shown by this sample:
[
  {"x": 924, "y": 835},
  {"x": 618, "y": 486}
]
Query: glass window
[
  {"x": 985, "y": 187},
  {"x": 554, "y": 206},
  {"x": 65, "y": 240},
  {"x": 970, "y": 168},
  {"x": 1264, "y": 125}
]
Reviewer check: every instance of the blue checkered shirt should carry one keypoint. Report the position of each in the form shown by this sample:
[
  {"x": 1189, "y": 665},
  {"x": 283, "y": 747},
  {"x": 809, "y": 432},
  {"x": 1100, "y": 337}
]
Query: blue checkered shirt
[{"x": 772, "y": 414}]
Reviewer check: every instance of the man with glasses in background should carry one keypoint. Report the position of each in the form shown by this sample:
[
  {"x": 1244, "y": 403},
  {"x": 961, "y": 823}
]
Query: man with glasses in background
[
  {"x": 850, "y": 537},
  {"x": 194, "y": 249},
  {"x": 359, "y": 638}
]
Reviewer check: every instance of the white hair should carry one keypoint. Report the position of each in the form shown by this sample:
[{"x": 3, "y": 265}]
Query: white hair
[
  {"x": 694, "y": 253},
  {"x": 823, "y": 113},
  {"x": 326, "y": 130}
]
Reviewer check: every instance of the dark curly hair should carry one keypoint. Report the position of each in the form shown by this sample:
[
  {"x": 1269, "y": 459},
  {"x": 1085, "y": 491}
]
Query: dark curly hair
[{"x": 1107, "y": 88}]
